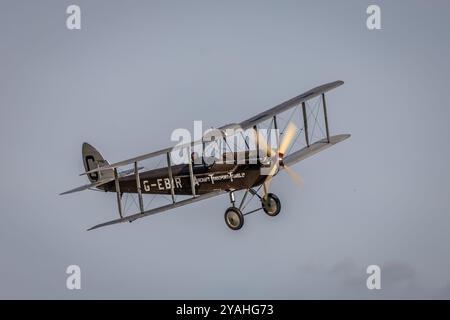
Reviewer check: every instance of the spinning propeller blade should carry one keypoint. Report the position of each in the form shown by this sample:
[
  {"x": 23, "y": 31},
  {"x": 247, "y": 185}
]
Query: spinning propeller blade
[
  {"x": 294, "y": 176},
  {"x": 277, "y": 157},
  {"x": 288, "y": 137}
]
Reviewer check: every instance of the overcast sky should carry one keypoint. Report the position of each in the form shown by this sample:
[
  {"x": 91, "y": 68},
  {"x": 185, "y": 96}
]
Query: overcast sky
[{"x": 139, "y": 69}]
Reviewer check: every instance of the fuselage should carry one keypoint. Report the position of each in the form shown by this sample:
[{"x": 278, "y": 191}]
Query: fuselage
[{"x": 207, "y": 178}]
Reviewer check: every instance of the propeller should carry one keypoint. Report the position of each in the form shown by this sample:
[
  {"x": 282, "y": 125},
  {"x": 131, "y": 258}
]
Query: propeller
[{"x": 277, "y": 157}]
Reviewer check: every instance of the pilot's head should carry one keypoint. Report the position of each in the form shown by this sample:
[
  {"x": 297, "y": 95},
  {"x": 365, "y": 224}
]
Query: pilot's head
[{"x": 194, "y": 157}]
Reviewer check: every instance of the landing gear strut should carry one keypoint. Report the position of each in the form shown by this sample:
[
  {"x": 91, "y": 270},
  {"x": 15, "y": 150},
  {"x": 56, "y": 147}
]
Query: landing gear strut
[{"x": 234, "y": 218}]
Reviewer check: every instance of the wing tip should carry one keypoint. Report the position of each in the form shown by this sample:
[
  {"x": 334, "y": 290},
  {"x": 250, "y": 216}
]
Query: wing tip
[
  {"x": 109, "y": 223},
  {"x": 345, "y": 136},
  {"x": 335, "y": 84}
]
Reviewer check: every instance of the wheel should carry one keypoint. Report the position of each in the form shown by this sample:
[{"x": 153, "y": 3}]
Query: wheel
[
  {"x": 234, "y": 218},
  {"x": 271, "y": 205}
]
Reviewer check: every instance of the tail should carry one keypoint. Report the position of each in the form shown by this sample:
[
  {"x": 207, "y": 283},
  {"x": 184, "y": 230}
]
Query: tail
[{"x": 92, "y": 159}]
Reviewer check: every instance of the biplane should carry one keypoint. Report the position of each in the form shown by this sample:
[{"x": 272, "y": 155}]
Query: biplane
[{"x": 200, "y": 176}]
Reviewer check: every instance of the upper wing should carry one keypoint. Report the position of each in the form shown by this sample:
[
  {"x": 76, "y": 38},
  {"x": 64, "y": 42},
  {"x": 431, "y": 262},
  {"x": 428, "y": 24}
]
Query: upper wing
[
  {"x": 290, "y": 104},
  {"x": 136, "y": 216},
  {"x": 243, "y": 125}
]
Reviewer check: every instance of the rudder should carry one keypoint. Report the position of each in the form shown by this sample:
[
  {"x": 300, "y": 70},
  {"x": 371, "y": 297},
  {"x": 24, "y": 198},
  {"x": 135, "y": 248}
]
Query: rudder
[{"x": 92, "y": 159}]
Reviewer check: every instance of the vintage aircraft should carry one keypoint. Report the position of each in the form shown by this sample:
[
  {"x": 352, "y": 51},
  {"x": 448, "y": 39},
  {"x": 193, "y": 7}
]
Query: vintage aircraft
[{"x": 202, "y": 177}]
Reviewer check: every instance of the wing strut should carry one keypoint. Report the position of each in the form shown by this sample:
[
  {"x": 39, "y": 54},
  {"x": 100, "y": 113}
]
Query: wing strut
[
  {"x": 191, "y": 174},
  {"x": 305, "y": 123},
  {"x": 255, "y": 129},
  {"x": 169, "y": 168},
  {"x": 119, "y": 198},
  {"x": 138, "y": 187},
  {"x": 325, "y": 116},
  {"x": 275, "y": 126}
]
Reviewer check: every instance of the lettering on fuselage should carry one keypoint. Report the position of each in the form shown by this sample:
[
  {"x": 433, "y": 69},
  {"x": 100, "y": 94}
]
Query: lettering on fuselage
[
  {"x": 163, "y": 184},
  {"x": 212, "y": 178}
]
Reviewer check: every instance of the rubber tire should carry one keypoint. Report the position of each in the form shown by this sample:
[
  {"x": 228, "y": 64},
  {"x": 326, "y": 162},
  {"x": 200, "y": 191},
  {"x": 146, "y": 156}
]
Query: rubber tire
[
  {"x": 277, "y": 201},
  {"x": 239, "y": 215}
]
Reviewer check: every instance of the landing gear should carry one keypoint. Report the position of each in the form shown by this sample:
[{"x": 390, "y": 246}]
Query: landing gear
[
  {"x": 271, "y": 204},
  {"x": 234, "y": 218},
  {"x": 233, "y": 215}
]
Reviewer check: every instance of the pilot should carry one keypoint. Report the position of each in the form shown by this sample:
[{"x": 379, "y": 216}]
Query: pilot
[{"x": 195, "y": 158}]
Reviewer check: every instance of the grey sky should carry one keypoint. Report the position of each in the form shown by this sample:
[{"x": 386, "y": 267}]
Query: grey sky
[{"x": 139, "y": 69}]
